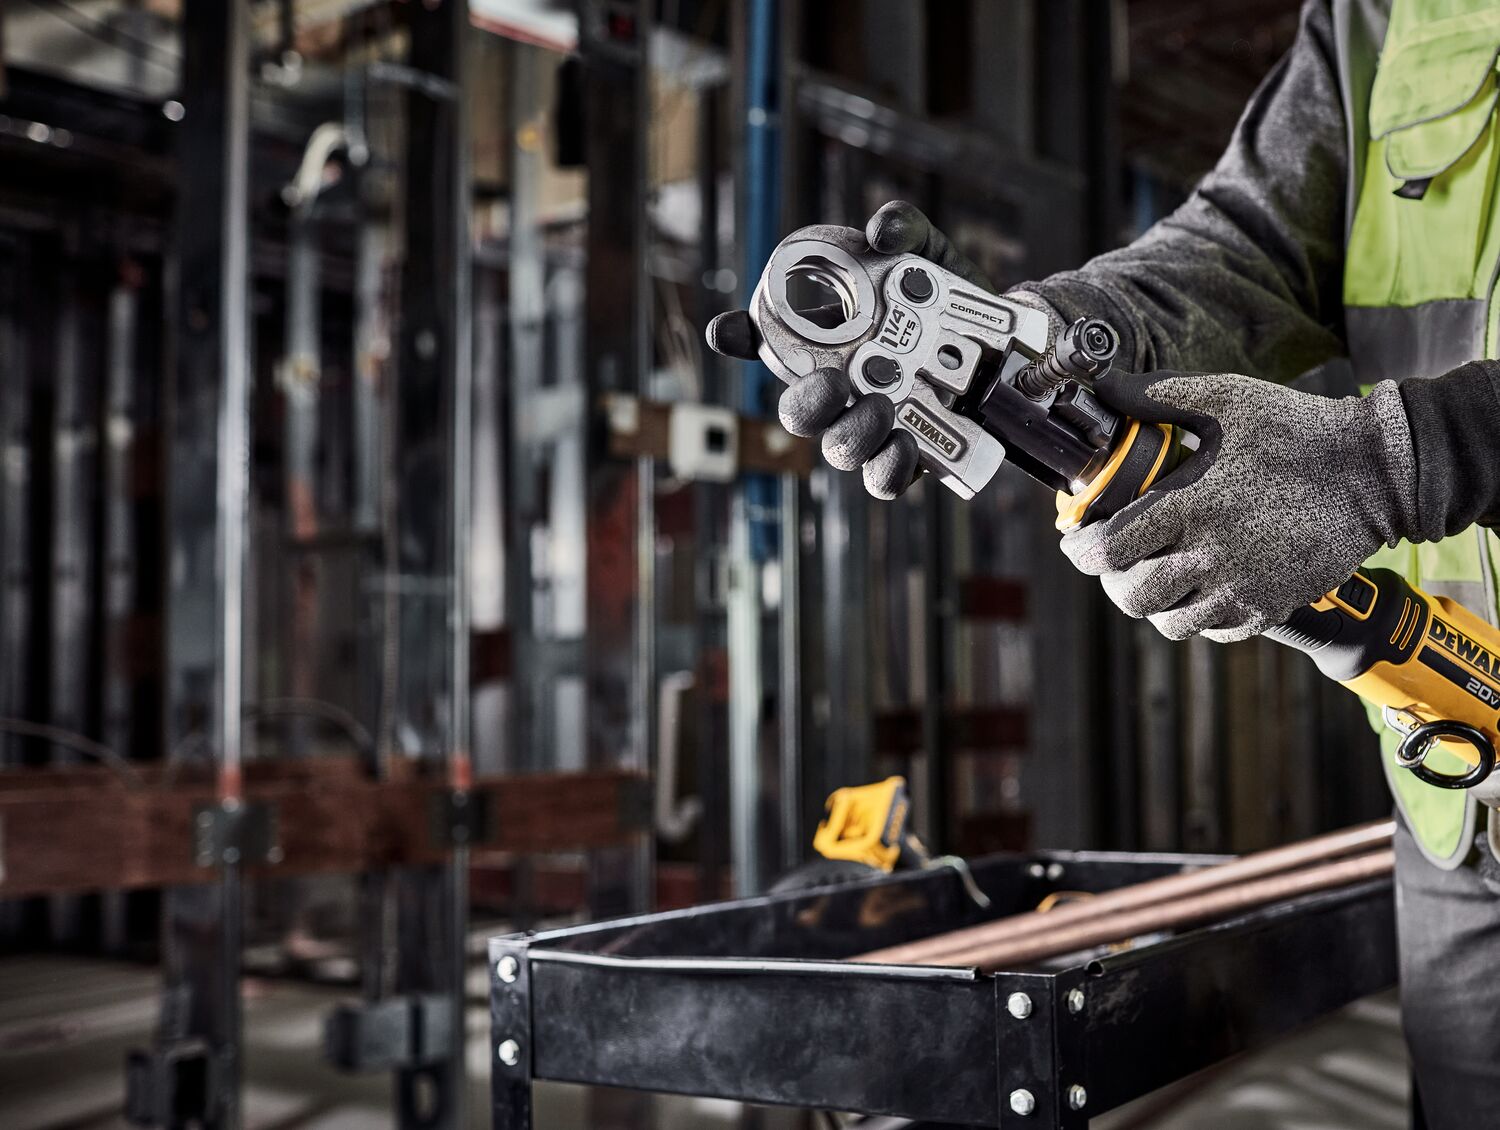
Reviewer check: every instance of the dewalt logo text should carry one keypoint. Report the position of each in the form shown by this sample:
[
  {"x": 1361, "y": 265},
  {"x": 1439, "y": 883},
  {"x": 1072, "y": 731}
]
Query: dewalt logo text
[
  {"x": 1450, "y": 639},
  {"x": 931, "y": 432}
]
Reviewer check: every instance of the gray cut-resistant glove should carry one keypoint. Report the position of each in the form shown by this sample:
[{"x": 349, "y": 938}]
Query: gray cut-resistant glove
[
  {"x": 1286, "y": 495},
  {"x": 860, "y": 433}
]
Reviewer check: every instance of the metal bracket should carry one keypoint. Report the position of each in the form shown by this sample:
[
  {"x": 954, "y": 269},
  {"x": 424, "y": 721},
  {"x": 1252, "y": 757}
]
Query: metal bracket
[
  {"x": 459, "y": 818},
  {"x": 510, "y": 1034},
  {"x": 235, "y": 831},
  {"x": 1026, "y": 1059},
  {"x": 399, "y": 1032},
  {"x": 1070, "y": 1018}
]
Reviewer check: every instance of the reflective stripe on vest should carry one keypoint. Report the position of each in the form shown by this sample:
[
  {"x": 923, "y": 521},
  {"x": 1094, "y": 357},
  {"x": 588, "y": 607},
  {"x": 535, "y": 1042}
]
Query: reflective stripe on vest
[{"x": 1421, "y": 268}]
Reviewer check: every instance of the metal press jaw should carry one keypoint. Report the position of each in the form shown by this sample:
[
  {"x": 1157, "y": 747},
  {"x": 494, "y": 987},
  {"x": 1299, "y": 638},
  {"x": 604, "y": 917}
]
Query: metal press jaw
[{"x": 901, "y": 327}]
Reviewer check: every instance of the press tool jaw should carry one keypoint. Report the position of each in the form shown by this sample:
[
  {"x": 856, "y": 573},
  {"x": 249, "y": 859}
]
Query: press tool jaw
[{"x": 901, "y": 327}]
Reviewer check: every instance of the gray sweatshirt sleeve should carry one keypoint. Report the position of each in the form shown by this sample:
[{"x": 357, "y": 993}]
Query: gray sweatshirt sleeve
[{"x": 1246, "y": 276}]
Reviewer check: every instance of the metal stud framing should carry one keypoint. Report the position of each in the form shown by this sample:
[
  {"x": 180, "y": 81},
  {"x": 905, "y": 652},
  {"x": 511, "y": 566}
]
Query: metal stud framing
[
  {"x": 619, "y": 646},
  {"x": 434, "y": 399},
  {"x": 208, "y": 493}
]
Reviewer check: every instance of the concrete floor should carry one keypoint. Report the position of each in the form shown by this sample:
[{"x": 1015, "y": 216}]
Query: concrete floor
[
  {"x": 1348, "y": 1072},
  {"x": 66, "y": 1024}
]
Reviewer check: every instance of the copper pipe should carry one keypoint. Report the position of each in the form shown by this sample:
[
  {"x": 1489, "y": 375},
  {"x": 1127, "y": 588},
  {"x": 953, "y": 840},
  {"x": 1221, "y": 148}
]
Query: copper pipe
[
  {"x": 1347, "y": 841},
  {"x": 1180, "y": 912}
]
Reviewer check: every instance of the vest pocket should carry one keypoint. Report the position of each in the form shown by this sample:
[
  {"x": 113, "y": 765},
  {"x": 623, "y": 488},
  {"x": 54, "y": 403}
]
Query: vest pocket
[
  {"x": 1422, "y": 228},
  {"x": 1427, "y": 149}
]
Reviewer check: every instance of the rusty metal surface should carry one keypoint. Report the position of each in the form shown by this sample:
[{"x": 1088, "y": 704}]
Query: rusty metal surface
[{"x": 81, "y": 829}]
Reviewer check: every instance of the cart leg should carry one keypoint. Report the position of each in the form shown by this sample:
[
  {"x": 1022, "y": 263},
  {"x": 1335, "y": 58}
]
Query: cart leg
[
  {"x": 512, "y": 1104},
  {"x": 510, "y": 1034}
]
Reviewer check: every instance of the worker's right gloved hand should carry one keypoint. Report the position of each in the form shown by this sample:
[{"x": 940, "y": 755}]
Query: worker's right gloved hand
[
  {"x": 1285, "y": 495},
  {"x": 858, "y": 434}
]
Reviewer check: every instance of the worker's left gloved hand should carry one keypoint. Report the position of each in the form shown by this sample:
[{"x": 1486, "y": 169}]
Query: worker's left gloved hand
[
  {"x": 861, "y": 435},
  {"x": 1287, "y": 494}
]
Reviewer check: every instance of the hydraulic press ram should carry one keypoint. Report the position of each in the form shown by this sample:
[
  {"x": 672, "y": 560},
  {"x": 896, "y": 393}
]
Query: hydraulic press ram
[{"x": 973, "y": 379}]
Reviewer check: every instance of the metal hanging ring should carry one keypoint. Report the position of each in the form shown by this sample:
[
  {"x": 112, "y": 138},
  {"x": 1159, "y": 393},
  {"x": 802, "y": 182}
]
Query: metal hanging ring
[{"x": 1420, "y": 740}]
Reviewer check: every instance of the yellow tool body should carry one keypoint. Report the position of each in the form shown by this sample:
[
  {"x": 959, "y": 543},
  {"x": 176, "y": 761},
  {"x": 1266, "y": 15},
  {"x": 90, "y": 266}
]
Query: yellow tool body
[
  {"x": 1428, "y": 661},
  {"x": 1430, "y": 664},
  {"x": 866, "y": 824}
]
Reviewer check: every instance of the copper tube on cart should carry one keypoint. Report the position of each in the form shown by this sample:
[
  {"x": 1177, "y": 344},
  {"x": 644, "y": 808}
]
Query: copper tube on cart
[
  {"x": 1012, "y": 954},
  {"x": 1259, "y": 865}
]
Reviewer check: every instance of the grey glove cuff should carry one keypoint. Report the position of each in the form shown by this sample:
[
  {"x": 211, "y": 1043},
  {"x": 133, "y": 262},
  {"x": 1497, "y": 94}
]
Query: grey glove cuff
[
  {"x": 1285, "y": 495},
  {"x": 1455, "y": 433},
  {"x": 1393, "y": 435},
  {"x": 1055, "y": 322},
  {"x": 1068, "y": 296}
]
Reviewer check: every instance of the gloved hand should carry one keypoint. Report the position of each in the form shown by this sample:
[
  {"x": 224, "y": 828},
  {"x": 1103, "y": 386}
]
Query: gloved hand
[
  {"x": 1286, "y": 495},
  {"x": 858, "y": 433}
]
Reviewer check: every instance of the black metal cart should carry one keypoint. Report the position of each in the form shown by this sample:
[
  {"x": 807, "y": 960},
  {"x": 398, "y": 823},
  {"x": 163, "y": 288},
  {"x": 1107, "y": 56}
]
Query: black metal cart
[{"x": 753, "y": 999}]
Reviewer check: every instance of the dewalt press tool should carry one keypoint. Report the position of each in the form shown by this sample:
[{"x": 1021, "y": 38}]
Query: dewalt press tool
[
  {"x": 973, "y": 380},
  {"x": 870, "y": 824}
]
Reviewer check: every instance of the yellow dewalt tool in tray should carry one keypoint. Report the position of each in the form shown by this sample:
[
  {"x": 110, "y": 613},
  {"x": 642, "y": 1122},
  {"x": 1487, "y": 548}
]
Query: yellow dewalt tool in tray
[
  {"x": 868, "y": 824},
  {"x": 974, "y": 382}
]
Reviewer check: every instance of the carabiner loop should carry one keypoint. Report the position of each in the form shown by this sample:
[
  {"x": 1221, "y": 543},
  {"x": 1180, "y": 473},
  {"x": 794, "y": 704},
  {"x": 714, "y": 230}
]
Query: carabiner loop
[{"x": 1419, "y": 741}]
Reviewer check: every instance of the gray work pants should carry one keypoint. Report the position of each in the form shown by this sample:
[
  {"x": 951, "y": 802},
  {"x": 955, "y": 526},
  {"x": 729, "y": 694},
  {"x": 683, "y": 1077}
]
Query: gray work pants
[{"x": 1449, "y": 928}]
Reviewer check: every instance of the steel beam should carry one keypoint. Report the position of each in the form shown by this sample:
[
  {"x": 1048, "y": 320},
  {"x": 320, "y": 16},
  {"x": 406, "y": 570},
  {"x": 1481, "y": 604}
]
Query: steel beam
[
  {"x": 847, "y": 714},
  {"x": 299, "y": 375},
  {"x": 434, "y": 403},
  {"x": 938, "y": 700},
  {"x": 532, "y": 700},
  {"x": 708, "y": 641},
  {"x": 619, "y": 642},
  {"x": 753, "y": 507},
  {"x": 120, "y": 723},
  {"x": 371, "y": 341},
  {"x": 74, "y": 671},
  {"x": 1074, "y": 129},
  {"x": 618, "y": 645},
  {"x": 208, "y": 491},
  {"x": 18, "y": 666}
]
